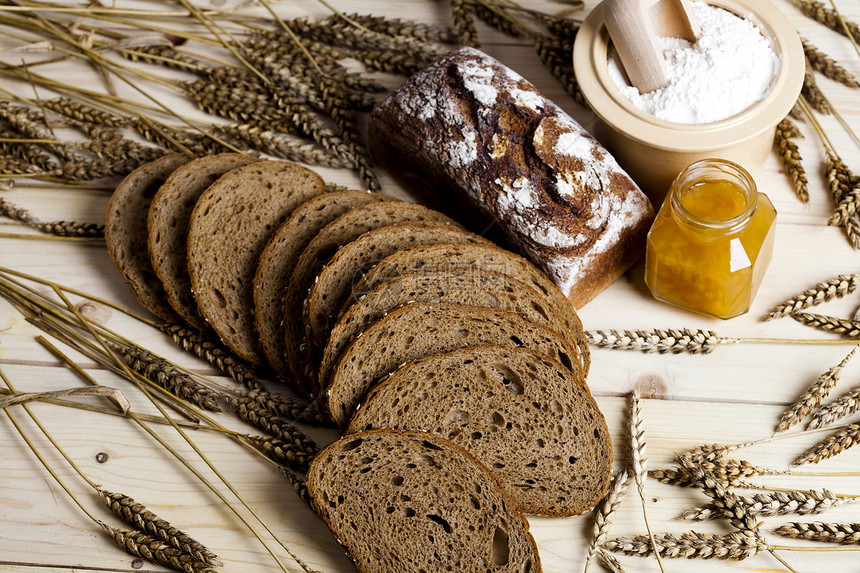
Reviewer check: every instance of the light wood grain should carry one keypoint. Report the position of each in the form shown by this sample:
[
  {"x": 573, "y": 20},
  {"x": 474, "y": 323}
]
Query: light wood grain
[{"x": 733, "y": 395}]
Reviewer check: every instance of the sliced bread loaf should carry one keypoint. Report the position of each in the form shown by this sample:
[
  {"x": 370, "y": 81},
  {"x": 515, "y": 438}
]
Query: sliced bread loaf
[
  {"x": 167, "y": 227},
  {"x": 420, "y": 329},
  {"x": 406, "y": 502},
  {"x": 522, "y": 414},
  {"x": 126, "y": 234},
  {"x": 463, "y": 257},
  {"x": 334, "y": 284},
  {"x": 471, "y": 287},
  {"x": 322, "y": 247},
  {"x": 229, "y": 228},
  {"x": 279, "y": 258}
]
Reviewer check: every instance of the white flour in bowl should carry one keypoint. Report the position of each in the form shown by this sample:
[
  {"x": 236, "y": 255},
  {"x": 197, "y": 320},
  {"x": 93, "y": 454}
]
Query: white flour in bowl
[{"x": 727, "y": 70}]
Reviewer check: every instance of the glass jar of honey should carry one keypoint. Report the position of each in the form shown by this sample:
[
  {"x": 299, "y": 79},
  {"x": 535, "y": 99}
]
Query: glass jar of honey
[{"x": 712, "y": 240}]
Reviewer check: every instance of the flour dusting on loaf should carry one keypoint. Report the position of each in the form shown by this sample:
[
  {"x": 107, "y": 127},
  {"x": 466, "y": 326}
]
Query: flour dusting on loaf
[{"x": 471, "y": 127}]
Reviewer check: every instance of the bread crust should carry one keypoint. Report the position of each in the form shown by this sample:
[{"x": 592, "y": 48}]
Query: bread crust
[{"x": 126, "y": 233}]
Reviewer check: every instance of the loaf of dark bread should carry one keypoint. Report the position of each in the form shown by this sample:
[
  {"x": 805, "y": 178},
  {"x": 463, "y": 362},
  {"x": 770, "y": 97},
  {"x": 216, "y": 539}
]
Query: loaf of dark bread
[
  {"x": 470, "y": 287},
  {"x": 473, "y": 128},
  {"x": 522, "y": 414},
  {"x": 406, "y": 502},
  {"x": 279, "y": 258},
  {"x": 334, "y": 284},
  {"x": 420, "y": 329},
  {"x": 126, "y": 233},
  {"x": 167, "y": 224},
  {"x": 229, "y": 228},
  {"x": 321, "y": 248}
]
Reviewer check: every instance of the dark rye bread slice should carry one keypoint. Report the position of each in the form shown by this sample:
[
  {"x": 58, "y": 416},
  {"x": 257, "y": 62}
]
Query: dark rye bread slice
[
  {"x": 420, "y": 329},
  {"x": 345, "y": 229},
  {"x": 279, "y": 258},
  {"x": 126, "y": 234},
  {"x": 334, "y": 284},
  {"x": 463, "y": 257},
  {"x": 167, "y": 226},
  {"x": 522, "y": 414},
  {"x": 229, "y": 228},
  {"x": 471, "y": 287},
  {"x": 407, "y": 502}
]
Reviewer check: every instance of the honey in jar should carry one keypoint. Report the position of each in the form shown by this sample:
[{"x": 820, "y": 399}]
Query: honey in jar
[{"x": 712, "y": 240}]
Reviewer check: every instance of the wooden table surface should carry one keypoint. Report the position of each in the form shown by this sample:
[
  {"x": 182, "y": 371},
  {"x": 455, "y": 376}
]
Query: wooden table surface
[{"x": 733, "y": 395}]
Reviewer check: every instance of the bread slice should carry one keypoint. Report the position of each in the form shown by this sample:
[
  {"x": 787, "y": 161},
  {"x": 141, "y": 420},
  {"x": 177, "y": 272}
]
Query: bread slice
[
  {"x": 167, "y": 226},
  {"x": 229, "y": 228},
  {"x": 126, "y": 234},
  {"x": 278, "y": 259},
  {"x": 522, "y": 414},
  {"x": 334, "y": 284},
  {"x": 420, "y": 329},
  {"x": 402, "y": 502},
  {"x": 322, "y": 247},
  {"x": 471, "y": 287},
  {"x": 462, "y": 257}
]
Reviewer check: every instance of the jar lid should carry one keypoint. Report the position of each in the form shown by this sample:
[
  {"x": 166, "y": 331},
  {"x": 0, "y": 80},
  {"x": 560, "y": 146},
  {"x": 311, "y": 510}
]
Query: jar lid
[{"x": 590, "y": 56}]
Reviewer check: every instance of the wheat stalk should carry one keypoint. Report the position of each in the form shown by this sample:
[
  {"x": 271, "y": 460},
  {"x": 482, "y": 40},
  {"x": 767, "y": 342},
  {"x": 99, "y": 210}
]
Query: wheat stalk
[
  {"x": 791, "y": 159},
  {"x": 769, "y": 504},
  {"x": 609, "y": 561},
  {"x": 832, "y": 445},
  {"x": 836, "y": 287},
  {"x": 139, "y": 516},
  {"x": 847, "y": 328},
  {"x": 639, "y": 462},
  {"x": 829, "y": 17},
  {"x": 736, "y": 545},
  {"x": 827, "y": 66},
  {"x": 845, "y": 405},
  {"x": 604, "y": 514},
  {"x": 814, "y": 395},
  {"x": 156, "y": 551},
  {"x": 844, "y": 533}
]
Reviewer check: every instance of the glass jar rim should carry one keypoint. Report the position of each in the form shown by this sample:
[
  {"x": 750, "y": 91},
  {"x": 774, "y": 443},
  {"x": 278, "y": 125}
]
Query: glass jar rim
[{"x": 719, "y": 169}]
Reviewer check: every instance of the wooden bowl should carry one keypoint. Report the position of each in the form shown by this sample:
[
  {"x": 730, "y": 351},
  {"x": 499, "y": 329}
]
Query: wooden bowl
[{"x": 652, "y": 150}]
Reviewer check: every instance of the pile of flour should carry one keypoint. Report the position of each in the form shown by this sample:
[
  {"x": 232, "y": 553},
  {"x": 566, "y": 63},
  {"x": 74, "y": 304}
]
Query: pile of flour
[{"x": 728, "y": 69}]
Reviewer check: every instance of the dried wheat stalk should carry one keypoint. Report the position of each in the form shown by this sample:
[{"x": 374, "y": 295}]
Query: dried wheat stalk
[
  {"x": 847, "y": 328},
  {"x": 253, "y": 413},
  {"x": 735, "y": 545},
  {"x": 560, "y": 66},
  {"x": 727, "y": 472},
  {"x": 845, "y": 405},
  {"x": 464, "y": 23},
  {"x": 844, "y": 533},
  {"x": 154, "y": 550},
  {"x": 168, "y": 376},
  {"x": 813, "y": 396},
  {"x": 609, "y": 561},
  {"x": 812, "y": 92},
  {"x": 837, "y": 287},
  {"x": 832, "y": 445},
  {"x": 827, "y": 66},
  {"x": 791, "y": 159},
  {"x": 280, "y": 451},
  {"x": 213, "y": 352},
  {"x": 819, "y": 12},
  {"x": 139, "y": 516},
  {"x": 675, "y": 341},
  {"x": 769, "y": 504},
  {"x": 605, "y": 512}
]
